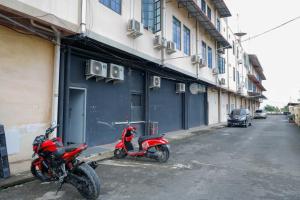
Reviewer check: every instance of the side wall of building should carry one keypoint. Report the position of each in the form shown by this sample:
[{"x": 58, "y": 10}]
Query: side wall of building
[{"x": 26, "y": 85}]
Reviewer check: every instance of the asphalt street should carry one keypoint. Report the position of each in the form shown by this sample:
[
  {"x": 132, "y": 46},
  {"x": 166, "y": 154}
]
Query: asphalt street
[{"x": 258, "y": 162}]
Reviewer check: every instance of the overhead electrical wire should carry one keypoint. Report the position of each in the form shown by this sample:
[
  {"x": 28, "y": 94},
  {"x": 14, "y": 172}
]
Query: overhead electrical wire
[
  {"x": 272, "y": 29},
  {"x": 252, "y": 37}
]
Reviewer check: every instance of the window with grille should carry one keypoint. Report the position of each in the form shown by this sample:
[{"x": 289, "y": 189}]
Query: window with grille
[
  {"x": 221, "y": 65},
  {"x": 151, "y": 16},
  {"x": 115, "y": 5}
]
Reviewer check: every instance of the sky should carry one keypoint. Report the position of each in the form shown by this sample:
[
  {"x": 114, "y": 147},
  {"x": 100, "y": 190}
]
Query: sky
[{"x": 279, "y": 50}]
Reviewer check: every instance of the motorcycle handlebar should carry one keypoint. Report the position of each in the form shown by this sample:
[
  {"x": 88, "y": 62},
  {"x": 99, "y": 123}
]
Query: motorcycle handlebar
[{"x": 50, "y": 130}]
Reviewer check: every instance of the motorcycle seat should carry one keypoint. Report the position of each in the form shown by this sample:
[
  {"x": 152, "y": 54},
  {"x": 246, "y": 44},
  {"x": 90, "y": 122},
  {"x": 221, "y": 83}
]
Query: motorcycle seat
[
  {"x": 70, "y": 148},
  {"x": 148, "y": 137}
]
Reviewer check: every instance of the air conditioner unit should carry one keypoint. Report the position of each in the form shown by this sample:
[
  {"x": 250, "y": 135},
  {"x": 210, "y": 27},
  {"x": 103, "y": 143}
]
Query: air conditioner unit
[
  {"x": 155, "y": 82},
  {"x": 215, "y": 71},
  {"x": 159, "y": 42},
  {"x": 134, "y": 28},
  {"x": 95, "y": 69},
  {"x": 222, "y": 81},
  {"x": 197, "y": 59},
  {"x": 171, "y": 47},
  {"x": 221, "y": 50},
  {"x": 180, "y": 88},
  {"x": 240, "y": 90},
  {"x": 115, "y": 73}
]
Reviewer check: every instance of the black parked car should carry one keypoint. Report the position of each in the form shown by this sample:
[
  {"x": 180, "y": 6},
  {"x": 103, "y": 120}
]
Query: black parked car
[{"x": 239, "y": 117}]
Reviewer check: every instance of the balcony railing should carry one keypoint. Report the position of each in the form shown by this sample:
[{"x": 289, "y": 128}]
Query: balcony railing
[{"x": 256, "y": 82}]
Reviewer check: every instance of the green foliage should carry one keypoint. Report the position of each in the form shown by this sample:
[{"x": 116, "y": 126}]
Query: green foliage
[
  {"x": 270, "y": 108},
  {"x": 285, "y": 109}
]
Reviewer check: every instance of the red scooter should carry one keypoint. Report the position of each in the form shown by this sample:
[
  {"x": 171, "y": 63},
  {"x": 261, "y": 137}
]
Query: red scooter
[
  {"x": 54, "y": 162},
  {"x": 153, "y": 146}
]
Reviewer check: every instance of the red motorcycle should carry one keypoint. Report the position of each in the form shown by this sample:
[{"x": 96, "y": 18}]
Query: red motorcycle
[
  {"x": 153, "y": 146},
  {"x": 55, "y": 162}
]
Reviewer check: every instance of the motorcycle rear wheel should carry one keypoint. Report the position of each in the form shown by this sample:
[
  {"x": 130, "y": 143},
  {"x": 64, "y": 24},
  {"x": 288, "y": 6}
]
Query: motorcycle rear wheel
[
  {"x": 165, "y": 153},
  {"x": 119, "y": 153},
  {"x": 89, "y": 185}
]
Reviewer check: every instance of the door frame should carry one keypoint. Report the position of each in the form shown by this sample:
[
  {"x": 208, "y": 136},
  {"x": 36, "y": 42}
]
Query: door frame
[{"x": 84, "y": 120}]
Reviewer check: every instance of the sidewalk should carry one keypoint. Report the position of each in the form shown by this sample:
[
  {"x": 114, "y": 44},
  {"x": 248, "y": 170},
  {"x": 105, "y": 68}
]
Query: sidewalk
[{"x": 21, "y": 174}]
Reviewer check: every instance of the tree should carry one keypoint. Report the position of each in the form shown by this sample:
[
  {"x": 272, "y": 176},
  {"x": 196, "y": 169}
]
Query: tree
[
  {"x": 285, "y": 109},
  {"x": 270, "y": 108}
]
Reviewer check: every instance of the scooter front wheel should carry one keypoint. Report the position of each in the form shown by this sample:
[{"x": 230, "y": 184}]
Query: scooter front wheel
[
  {"x": 119, "y": 153},
  {"x": 164, "y": 153}
]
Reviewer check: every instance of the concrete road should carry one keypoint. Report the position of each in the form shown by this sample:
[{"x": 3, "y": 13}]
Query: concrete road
[{"x": 258, "y": 162}]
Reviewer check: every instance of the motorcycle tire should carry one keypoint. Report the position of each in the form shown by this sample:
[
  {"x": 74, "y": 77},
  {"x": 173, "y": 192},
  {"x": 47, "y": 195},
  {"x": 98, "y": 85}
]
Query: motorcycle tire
[
  {"x": 119, "y": 153},
  {"x": 165, "y": 151},
  {"x": 38, "y": 173},
  {"x": 91, "y": 188}
]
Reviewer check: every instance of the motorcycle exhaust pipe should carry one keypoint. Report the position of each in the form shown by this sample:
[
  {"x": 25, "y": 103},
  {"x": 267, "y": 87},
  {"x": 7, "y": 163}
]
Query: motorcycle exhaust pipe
[
  {"x": 152, "y": 155},
  {"x": 93, "y": 164}
]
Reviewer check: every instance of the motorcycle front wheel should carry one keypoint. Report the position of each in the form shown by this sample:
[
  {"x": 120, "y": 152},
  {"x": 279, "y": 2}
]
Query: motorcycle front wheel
[
  {"x": 87, "y": 181},
  {"x": 39, "y": 173}
]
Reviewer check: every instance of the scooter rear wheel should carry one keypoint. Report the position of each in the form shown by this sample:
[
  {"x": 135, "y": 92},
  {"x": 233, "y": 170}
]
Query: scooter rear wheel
[
  {"x": 119, "y": 153},
  {"x": 165, "y": 153}
]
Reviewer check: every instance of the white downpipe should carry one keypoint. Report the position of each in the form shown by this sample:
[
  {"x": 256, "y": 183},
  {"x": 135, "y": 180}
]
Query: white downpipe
[
  {"x": 163, "y": 29},
  {"x": 132, "y": 2},
  {"x": 83, "y": 17},
  {"x": 197, "y": 50},
  {"x": 56, "y": 65},
  {"x": 55, "y": 83}
]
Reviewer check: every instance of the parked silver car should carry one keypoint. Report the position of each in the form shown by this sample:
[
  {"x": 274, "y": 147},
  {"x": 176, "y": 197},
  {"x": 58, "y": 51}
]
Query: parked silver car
[{"x": 260, "y": 114}]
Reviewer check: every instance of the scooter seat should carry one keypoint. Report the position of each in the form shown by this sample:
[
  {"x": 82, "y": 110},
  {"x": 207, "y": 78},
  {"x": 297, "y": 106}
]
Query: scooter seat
[{"x": 148, "y": 137}]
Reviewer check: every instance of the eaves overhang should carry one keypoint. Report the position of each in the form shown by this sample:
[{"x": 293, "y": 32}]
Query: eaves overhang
[
  {"x": 195, "y": 11},
  {"x": 257, "y": 66},
  {"x": 222, "y": 8}
]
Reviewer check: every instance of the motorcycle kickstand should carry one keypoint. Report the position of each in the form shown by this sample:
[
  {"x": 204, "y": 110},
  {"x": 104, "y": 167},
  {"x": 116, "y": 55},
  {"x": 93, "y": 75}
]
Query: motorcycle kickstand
[{"x": 59, "y": 187}]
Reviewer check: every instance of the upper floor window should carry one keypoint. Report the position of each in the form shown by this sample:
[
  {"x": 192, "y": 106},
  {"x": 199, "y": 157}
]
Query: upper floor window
[
  {"x": 209, "y": 57},
  {"x": 218, "y": 25},
  {"x": 203, "y": 6},
  {"x": 221, "y": 65},
  {"x": 209, "y": 13},
  {"x": 177, "y": 33},
  {"x": 151, "y": 15},
  {"x": 204, "y": 54},
  {"x": 115, "y": 5},
  {"x": 238, "y": 77},
  {"x": 234, "y": 74},
  {"x": 186, "y": 40},
  {"x": 233, "y": 47}
]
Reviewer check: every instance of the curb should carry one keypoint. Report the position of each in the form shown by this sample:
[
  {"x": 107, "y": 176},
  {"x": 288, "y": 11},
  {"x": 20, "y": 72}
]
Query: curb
[
  {"x": 26, "y": 177},
  {"x": 16, "y": 180}
]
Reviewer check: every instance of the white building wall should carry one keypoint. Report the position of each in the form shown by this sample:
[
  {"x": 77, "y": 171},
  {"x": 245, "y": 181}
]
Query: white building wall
[
  {"x": 26, "y": 88},
  {"x": 224, "y": 106},
  {"x": 65, "y": 14}
]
